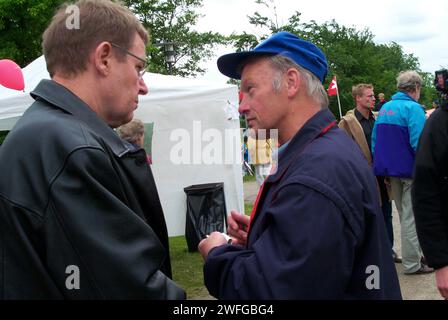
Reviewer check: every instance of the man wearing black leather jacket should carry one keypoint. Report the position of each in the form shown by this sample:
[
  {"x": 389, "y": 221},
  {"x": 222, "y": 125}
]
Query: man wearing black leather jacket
[
  {"x": 80, "y": 217},
  {"x": 430, "y": 195}
]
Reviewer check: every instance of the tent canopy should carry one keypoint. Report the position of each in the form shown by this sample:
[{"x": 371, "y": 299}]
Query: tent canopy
[{"x": 189, "y": 118}]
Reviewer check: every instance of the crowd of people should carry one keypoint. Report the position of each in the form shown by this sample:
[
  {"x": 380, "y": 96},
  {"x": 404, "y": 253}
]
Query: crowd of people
[{"x": 80, "y": 216}]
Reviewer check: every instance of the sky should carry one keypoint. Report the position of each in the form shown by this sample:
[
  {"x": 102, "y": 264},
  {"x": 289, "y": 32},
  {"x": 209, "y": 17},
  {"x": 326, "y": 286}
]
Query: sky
[{"x": 418, "y": 26}]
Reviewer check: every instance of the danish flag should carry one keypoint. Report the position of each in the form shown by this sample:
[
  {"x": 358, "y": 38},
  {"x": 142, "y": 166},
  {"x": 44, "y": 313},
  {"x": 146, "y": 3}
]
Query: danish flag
[{"x": 333, "y": 87}]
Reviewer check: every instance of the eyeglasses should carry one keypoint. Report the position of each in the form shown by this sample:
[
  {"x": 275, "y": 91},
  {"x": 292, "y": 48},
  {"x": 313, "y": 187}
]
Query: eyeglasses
[{"x": 141, "y": 72}]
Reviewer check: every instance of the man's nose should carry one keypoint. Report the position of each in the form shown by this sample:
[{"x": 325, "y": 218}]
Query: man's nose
[
  {"x": 243, "y": 107},
  {"x": 143, "y": 88}
]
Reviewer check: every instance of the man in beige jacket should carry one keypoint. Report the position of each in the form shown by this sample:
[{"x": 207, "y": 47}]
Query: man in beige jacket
[{"x": 358, "y": 123}]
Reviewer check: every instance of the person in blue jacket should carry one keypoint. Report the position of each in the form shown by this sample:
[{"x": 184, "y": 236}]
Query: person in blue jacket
[
  {"x": 316, "y": 230},
  {"x": 395, "y": 137}
]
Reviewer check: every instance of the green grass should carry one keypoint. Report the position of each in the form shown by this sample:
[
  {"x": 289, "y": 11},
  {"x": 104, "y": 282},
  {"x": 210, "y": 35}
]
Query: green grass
[
  {"x": 248, "y": 178},
  {"x": 187, "y": 269},
  {"x": 248, "y": 208}
]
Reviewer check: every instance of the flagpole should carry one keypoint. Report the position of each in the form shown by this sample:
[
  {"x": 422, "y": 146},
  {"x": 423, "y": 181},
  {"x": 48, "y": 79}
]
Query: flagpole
[{"x": 339, "y": 101}]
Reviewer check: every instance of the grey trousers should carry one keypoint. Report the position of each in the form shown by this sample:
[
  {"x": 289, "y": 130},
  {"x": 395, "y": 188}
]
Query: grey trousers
[{"x": 410, "y": 247}]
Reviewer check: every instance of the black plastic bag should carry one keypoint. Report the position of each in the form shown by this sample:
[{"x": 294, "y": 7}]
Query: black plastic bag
[{"x": 206, "y": 212}]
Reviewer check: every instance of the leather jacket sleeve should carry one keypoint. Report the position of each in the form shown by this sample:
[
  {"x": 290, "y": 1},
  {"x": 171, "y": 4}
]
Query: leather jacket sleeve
[
  {"x": 89, "y": 226},
  {"x": 429, "y": 190}
]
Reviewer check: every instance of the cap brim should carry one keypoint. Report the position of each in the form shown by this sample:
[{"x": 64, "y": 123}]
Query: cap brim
[{"x": 230, "y": 64}]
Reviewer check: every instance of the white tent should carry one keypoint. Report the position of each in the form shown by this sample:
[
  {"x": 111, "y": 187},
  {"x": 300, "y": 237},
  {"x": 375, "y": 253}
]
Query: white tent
[{"x": 190, "y": 119}]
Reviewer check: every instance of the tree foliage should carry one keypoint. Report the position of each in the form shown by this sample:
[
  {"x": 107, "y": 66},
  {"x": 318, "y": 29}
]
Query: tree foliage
[
  {"x": 354, "y": 58},
  {"x": 352, "y": 54},
  {"x": 171, "y": 21},
  {"x": 22, "y": 23}
]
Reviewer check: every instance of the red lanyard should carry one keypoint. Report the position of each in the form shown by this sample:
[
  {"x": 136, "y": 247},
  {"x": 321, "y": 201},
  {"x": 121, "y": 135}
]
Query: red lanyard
[{"x": 260, "y": 192}]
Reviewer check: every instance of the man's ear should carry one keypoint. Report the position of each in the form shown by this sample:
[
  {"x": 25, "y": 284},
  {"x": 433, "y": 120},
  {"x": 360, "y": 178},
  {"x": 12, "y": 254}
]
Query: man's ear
[
  {"x": 102, "y": 57},
  {"x": 293, "y": 81}
]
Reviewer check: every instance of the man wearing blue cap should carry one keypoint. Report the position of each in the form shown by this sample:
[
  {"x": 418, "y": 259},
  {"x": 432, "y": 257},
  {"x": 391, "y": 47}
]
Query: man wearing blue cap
[{"x": 316, "y": 230}]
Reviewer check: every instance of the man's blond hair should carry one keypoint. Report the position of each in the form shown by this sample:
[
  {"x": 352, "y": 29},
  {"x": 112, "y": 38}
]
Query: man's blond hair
[{"x": 358, "y": 90}]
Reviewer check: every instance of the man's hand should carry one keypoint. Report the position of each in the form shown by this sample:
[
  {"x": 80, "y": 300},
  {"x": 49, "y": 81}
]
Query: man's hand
[
  {"x": 238, "y": 226},
  {"x": 442, "y": 281},
  {"x": 215, "y": 239}
]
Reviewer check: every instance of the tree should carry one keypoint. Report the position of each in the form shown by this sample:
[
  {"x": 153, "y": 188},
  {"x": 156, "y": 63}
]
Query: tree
[
  {"x": 354, "y": 57},
  {"x": 22, "y": 24},
  {"x": 428, "y": 93},
  {"x": 243, "y": 41},
  {"x": 170, "y": 21},
  {"x": 352, "y": 54}
]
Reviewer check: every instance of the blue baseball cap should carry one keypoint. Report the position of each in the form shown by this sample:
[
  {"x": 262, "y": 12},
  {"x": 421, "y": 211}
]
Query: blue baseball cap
[{"x": 304, "y": 53}]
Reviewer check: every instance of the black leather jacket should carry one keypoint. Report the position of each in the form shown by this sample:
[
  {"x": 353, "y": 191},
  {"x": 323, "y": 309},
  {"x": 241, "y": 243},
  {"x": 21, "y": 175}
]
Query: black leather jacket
[
  {"x": 80, "y": 216},
  {"x": 430, "y": 189}
]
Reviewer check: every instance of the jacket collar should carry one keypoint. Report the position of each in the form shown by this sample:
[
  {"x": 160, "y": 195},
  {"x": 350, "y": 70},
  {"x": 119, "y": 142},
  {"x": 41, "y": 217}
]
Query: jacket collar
[
  {"x": 310, "y": 131},
  {"x": 62, "y": 98},
  {"x": 360, "y": 117},
  {"x": 402, "y": 96}
]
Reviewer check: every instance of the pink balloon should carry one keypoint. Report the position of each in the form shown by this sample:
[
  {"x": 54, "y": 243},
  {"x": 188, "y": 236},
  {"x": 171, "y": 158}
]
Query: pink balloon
[{"x": 11, "y": 75}]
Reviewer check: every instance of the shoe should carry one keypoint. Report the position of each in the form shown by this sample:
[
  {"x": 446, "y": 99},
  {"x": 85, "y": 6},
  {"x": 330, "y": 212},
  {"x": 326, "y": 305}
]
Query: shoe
[
  {"x": 395, "y": 257},
  {"x": 424, "y": 269}
]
